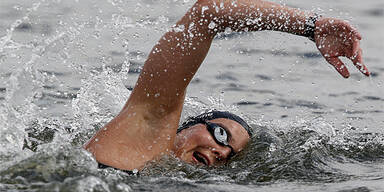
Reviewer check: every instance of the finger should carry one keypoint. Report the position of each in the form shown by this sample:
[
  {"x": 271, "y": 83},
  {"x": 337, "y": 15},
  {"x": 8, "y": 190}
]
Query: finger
[
  {"x": 339, "y": 66},
  {"x": 358, "y": 62},
  {"x": 356, "y": 47},
  {"x": 358, "y": 35},
  {"x": 355, "y": 32}
]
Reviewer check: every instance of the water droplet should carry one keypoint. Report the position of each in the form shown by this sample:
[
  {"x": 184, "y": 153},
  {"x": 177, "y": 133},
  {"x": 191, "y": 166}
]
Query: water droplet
[
  {"x": 212, "y": 25},
  {"x": 203, "y": 9},
  {"x": 228, "y": 31}
]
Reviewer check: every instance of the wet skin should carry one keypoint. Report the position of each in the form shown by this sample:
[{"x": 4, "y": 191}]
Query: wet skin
[{"x": 197, "y": 146}]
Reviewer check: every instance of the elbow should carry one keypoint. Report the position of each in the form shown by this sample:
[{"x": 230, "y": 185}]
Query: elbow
[{"x": 211, "y": 13}]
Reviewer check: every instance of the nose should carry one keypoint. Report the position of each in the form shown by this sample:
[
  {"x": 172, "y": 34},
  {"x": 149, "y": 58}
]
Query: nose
[{"x": 221, "y": 152}]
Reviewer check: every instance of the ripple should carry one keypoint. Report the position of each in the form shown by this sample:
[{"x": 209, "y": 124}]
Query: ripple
[
  {"x": 116, "y": 53},
  {"x": 135, "y": 67},
  {"x": 343, "y": 94},
  {"x": 300, "y": 103},
  {"x": 359, "y": 111},
  {"x": 358, "y": 189},
  {"x": 59, "y": 95},
  {"x": 264, "y": 91},
  {"x": 247, "y": 103},
  {"x": 374, "y": 74},
  {"x": 373, "y": 98},
  {"x": 24, "y": 27},
  {"x": 376, "y": 12},
  {"x": 263, "y": 77},
  {"x": 52, "y": 73},
  {"x": 277, "y": 52},
  {"x": 195, "y": 80},
  {"x": 309, "y": 55},
  {"x": 227, "y": 36},
  {"x": 226, "y": 76}
]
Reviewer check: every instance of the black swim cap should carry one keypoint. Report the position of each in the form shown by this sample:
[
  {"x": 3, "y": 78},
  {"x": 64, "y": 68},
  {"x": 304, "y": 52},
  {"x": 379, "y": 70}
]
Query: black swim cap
[{"x": 215, "y": 115}]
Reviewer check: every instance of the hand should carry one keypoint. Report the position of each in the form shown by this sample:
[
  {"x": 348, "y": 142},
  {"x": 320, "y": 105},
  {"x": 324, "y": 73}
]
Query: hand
[{"x": 335, "y": 38}]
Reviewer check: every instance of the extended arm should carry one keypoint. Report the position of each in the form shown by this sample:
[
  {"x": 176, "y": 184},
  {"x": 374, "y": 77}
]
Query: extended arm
[{"x": 146, "y": 127}]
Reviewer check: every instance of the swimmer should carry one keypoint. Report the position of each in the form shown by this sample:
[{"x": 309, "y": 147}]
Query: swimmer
[{"x": 147, "y": 127}]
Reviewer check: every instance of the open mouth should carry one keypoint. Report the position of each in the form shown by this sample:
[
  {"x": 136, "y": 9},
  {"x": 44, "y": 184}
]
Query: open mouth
[{"x": 200, "y": 158}]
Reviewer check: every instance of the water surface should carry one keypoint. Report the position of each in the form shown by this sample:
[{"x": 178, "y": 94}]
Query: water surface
[{"x": 67, "y": 67}]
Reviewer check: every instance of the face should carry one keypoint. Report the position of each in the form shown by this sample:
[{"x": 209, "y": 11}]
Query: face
[{"x": 197, "y": 145}]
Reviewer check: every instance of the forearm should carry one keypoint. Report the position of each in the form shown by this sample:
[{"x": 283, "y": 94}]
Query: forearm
[
  {"x": 177, "y": 56},
  {"x": 255, "y": 15},
  {"x": 173, "y": 62}
]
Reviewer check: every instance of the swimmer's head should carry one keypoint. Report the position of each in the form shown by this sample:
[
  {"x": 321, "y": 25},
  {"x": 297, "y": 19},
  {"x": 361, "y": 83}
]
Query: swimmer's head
[
  {"x": 211, "y": 138},
  {"x": 215, "y": 115}
]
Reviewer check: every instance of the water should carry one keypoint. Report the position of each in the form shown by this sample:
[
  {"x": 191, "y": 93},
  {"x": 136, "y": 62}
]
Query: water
[{"x": 67, "y": 67}]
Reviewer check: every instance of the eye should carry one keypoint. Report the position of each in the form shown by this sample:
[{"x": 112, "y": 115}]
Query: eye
[{"x": 221, "y": 135}]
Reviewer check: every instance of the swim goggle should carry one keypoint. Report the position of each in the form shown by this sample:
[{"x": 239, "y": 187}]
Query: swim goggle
[{"x": 220, "y": 135}]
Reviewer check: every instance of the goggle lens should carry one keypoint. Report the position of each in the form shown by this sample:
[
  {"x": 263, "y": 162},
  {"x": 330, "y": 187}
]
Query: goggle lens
[{"x": 220, "y": 135}]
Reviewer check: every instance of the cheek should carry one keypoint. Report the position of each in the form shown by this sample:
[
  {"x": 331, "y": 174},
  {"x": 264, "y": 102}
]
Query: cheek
[
  {"x": 195, "y": 139},
  {"x": 201, "y": 139}
]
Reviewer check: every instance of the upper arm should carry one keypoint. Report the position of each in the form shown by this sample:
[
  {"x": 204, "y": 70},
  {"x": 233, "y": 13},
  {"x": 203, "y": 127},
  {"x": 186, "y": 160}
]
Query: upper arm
[
  {"x": 172, "y": 64},
  {"x": 151, "y": 115}
]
